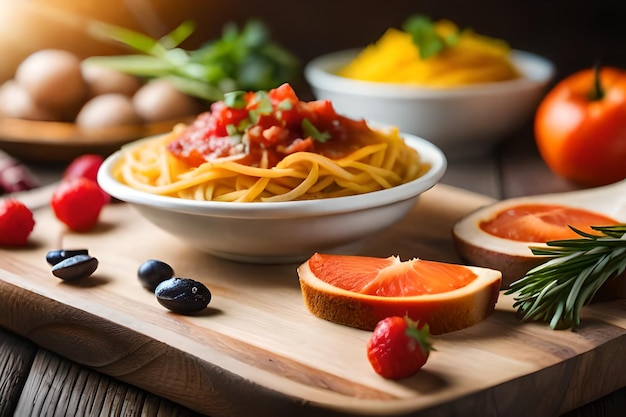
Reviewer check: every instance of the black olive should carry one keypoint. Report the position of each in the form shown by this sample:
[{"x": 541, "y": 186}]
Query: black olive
[
  {"x": 183, "y": 295},
  {"x": 75, "y": 268},
  {"x": 152, "y": 272},
  {"x": 53, "y": 257}
]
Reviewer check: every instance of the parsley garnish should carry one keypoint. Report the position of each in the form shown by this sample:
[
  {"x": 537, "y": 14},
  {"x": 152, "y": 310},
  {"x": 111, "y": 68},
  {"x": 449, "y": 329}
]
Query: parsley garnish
[
  {"x": 262, "y": 106},
  {"x": 286, "y": 104},
  {"x": 231, "y": 129},
  {"x": 309, "y": 130},
  {"x": 424, "y": 33},
  {"x": 235, "y": 99}
]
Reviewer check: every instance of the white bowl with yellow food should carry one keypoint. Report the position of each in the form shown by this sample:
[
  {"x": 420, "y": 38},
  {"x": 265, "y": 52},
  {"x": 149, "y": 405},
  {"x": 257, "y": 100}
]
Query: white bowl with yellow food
[
  {"x": 464, "y": 99},
  {"x": 325, "y": 184}
]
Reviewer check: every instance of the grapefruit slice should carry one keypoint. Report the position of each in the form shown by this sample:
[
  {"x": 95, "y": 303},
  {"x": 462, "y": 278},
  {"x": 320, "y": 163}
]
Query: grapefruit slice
[
  {"x": 500, "y": 235},
  {"x": 540, "y": 223},
  {"x": 359, "y": 291}
]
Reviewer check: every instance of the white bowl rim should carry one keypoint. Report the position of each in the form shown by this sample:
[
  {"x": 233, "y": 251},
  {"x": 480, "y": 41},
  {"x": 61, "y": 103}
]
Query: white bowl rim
[
  {"x": 536, "y": 70},
  {"x": 429, "y": 153}
]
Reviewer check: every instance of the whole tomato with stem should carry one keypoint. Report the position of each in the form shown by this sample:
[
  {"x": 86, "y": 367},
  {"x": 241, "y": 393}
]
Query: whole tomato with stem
[{"x": 580, "y": 127}]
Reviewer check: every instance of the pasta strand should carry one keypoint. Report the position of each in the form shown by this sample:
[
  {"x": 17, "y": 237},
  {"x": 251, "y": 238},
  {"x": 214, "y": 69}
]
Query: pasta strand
[{"x": 148, "y": 166}]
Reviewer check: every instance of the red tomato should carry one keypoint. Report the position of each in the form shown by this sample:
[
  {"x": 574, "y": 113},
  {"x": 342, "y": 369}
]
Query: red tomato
[
  {"x": 207, "y": 136},
  {"x": 580, "y": 127},
  {"x": 222, "y": 116},
  {"x": 262, "y": 127}
]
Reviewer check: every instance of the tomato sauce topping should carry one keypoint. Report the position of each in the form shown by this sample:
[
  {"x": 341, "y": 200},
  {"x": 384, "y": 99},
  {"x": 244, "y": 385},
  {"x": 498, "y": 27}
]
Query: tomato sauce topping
[
  {"x": 543, "y": 222},
  {"x": 255, "y": 126}
]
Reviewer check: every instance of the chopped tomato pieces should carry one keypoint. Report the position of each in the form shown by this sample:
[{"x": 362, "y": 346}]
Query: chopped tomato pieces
[{"x": 266, "y": 126}]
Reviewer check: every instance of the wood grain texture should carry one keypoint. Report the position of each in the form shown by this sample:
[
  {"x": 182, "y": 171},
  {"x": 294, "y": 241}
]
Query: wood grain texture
[
  {"x": 57, "y": 387},
  {"x": 257, "y": 342},
  {"x": 62, "y": 142},
  {"x": 16, "y": 357}
]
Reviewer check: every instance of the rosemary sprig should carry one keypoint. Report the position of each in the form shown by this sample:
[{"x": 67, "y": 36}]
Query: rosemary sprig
[{"x": 556, "y": 290}]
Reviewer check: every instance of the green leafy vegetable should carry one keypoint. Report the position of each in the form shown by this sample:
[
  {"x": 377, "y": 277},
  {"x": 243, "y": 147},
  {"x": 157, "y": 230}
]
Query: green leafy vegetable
[
  {"x": 556, "y": 290},
  {"x": 425, "y": 36},
  {"x": 245, "y": 59}
]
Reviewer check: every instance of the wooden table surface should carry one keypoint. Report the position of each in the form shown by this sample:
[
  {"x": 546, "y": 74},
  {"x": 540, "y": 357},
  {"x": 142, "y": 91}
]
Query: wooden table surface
[{"x": 37, "y": 382}]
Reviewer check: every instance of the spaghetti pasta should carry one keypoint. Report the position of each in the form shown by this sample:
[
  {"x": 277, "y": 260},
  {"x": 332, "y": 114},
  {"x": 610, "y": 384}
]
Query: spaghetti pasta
[{"x": 351, "y": 159}]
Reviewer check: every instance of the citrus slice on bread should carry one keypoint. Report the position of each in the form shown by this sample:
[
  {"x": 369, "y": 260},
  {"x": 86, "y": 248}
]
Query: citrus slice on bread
[{"x": 359, "y": 291}]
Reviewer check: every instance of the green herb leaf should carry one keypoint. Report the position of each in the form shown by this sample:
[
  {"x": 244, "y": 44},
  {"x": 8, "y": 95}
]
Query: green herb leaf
[
  {"x": 286, "y": 104},
  {"x": 178, "y": 35},
  {"x": 130, "y": 38},
  {"x": 424, "y": 33},
  {"x": 309, "y": 130},
  {"x": 245, "y": 60},
  {"x": 264, "y": 104},
  {"x": 139, "y": 65},
  {"x": 249, "y": 57},
  {"x": 556, "y": 290},
  {"x": 231, "y": 129},
  {"x": 235, "y": 99},
  {"x": 195, "y": 88}
]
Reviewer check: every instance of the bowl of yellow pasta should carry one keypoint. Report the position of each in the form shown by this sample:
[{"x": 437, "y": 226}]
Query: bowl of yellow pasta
[
  {"x": 465, "y": 98},
  {"x": 266, "y": 178},
  {"x": 279, "y": 231}
]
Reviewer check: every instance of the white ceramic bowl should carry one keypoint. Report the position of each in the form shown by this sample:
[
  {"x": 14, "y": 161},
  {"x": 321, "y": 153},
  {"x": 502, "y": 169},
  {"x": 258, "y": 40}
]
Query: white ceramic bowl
[
  {"x": 279, "y": 232},
  {"x": 462, "y": 121}
]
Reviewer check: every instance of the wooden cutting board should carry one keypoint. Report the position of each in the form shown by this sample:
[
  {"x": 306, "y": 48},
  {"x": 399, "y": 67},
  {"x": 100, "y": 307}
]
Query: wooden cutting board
[{"x": 257, "y": 350}]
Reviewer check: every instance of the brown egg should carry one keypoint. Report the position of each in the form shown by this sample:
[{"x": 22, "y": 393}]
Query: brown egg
[
  {"x": 53, "y": 79},
  {"x": 102, "y": 80},
  {"x": 107, "y": 110},
  {"x": 158, "y": 100},
  {"x": 15, "y": 102}
]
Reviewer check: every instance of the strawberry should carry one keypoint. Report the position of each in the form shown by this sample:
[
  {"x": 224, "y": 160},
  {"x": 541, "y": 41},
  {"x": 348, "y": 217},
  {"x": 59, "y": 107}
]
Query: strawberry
[
  {"x": 398, "y": 347},
  {"x": 16, "y": 222},
  {"x": 77, "y": 202}
]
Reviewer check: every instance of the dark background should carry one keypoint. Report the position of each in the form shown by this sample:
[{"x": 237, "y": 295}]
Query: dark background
[{"x": 573, "y": 34}]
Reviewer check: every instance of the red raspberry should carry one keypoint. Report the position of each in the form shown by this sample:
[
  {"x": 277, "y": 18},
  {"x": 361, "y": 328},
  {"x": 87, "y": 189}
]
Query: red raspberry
[
  {"x": 77, "y": 202},
  {"x": 86, "y": 166},
  {"x": 398, "y": 347},
  {"x": 16, "y": 222}
]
